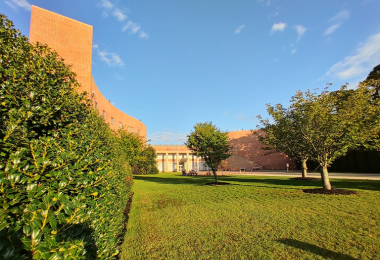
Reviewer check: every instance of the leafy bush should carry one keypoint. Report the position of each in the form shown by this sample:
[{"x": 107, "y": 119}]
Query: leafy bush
[
  {"x": 63, "y": 179},
  {"x": 138, "y": 154}
]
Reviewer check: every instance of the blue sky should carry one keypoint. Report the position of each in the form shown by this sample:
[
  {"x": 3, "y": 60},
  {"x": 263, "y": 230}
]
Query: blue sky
[{"x": 174, "y": 63}]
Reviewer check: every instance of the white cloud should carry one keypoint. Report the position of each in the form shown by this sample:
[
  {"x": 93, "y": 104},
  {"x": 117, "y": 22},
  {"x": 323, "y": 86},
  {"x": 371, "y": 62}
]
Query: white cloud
[
  {"x": 119, "y": 15},
  {"x": 300, "y": 30},
  {"x": 106, "y": 4},
  {"x": 339, "y": 17},
  {"x": 337, "y": 20},
  {"x": 132, "y": 27},
  {"x": 240, "y": 28},
  {"x": 19, "y": 3},
  {"x": 360, "y": 64},
  {"x": 110, "y": 58},
  {"x": 278, "y": 27},
  {"x": 331, "y": 29},
  {"x": 294, "y": 50},
  {"x": 168, "y": 137},
  {"x": 143, "y": 35},
  {"x": 104, "y": 14},
  {"x": 268, "y": 2}
]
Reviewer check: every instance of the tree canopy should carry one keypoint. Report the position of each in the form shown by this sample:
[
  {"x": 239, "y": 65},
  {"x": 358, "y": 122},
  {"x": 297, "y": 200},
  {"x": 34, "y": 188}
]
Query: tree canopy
[
  {"x": 325, "y": 126},
  {"x": 210, "y": 143}
]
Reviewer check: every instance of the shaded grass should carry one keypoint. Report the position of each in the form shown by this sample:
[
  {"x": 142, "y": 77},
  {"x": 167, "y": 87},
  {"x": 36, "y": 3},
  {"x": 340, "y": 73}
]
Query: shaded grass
[{"x": 178, "y": 217}]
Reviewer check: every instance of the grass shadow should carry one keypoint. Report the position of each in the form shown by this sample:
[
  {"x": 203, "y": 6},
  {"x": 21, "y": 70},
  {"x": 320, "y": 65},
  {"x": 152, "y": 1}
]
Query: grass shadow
[
  {"x": 325, "y": 253},
  {"x": 372, "y": 185}
]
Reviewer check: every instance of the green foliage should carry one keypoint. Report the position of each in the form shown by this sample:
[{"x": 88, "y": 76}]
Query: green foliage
[
  {"x": 147, "y": 163},
  {"x": 138, "y": 154},
  {"x": 210, "y": 143},
  {"x": 281, "y": 134},
  {"x": 63, "y": 183}
]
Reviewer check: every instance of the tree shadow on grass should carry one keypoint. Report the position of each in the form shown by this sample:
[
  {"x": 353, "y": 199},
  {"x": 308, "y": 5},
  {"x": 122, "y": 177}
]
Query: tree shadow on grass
[
  {"x": 325, "y": 253},
  {"x": 270, "y": 181},
  {"x": 335, "y": 183}
]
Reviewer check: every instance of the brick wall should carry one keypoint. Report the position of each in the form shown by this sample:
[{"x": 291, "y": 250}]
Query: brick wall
[
  {"x": 248, "y": 146},
  {"x": 73, "y": 42}
]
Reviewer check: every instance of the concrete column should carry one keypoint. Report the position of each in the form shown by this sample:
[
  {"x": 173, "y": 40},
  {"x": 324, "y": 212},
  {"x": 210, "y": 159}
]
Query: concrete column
[
  {"x": 197, "y": 164},
  {"x": 187, "y": 163},
  {"x": 177, "y": 158},
  {"x": 166, "y": 163}
]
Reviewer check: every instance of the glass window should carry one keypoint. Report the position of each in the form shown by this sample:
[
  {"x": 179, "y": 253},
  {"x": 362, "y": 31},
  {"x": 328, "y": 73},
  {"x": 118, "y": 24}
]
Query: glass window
[
  {"x": 120, "y": 125},
  {"x": 96, "y": 105},
  {"x": 104, "y": 114},
  {"x": 111, "y": 120},
  {"x": 132, "y": 130}
]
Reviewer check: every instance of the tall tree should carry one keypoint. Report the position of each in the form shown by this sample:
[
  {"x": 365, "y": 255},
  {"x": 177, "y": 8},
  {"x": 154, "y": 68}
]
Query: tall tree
[
  {"x": 207, "y": 141},
  {"x": 281, "y": 134},
  {"x": 331, "y": 123}
]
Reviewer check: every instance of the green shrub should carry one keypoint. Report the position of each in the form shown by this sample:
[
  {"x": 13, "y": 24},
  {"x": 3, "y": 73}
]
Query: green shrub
[
  {"x": 63, "y": 180},
  {"x": 138, "y": 154}
]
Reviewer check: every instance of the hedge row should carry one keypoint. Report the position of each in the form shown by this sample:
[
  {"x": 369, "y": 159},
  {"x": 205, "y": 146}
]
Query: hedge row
[{"x": 64, "y": 180}]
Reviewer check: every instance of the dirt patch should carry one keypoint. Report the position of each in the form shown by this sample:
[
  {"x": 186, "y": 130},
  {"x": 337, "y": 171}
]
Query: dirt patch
[
  {"x": 217, "y": 183},
  {"x": 330, "y": 192},
  {"x": 306, "y": 179}
]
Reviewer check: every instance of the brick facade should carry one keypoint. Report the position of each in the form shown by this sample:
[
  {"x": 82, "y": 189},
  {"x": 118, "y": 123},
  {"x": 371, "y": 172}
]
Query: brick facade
[
  {"x": 248, "y": 146},
  {"x": 73, "y": 42},
  {"x": 247, "y": 154}
]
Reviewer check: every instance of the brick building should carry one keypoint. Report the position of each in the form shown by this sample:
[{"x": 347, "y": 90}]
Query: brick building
[
  {"x": 73, "y": 42},
  {"x": 246, "y": 155}
]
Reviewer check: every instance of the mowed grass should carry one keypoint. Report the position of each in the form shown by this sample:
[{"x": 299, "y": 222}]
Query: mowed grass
[{"x": 178, "y": 217}]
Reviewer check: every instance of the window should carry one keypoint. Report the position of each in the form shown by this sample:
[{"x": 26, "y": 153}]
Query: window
[
  {"x": 104, "y": 114},
  {"x": 132, "y": 130},
  {"x": 96, "y": 105},
  {"x": 111, "y": 120},
  {"x": 120, "y": 125},
  {"x": 138, "y": 131}
]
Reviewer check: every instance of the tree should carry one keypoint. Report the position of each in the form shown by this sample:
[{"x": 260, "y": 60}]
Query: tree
[
  {"x": 331, "y": 123},
  {"x": 208, "y": 142},
  {"x": 283, "y": 135},
  {"x": 138, "y": 154}
]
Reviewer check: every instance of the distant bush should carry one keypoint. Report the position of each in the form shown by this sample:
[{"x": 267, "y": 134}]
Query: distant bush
[
  {"x": 139, "y": 155},
  {"x": 64, "y": 182}
]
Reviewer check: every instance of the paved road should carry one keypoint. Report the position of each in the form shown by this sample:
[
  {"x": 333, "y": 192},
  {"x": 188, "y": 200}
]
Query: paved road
[{"x": 333, "y": 175}]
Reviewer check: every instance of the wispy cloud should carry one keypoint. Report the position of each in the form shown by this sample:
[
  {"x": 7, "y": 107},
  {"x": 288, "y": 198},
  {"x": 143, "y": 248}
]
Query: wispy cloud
[
  {"x": 278, "y": 27},
  {"x": 337, "y": 21},
  {"x": 119, "y": 15},
  {"x": 168, "y": 137},
  {"x": 143, "y": 35},
  {"x": 240, "y": 28},
  {"x": 110, "y": 58},
  {"x": 106, "y": 4},
  {"x": 118, "y": 77},
  {"x": 294, "y": 50},
  {"x": 15, "y": 4},
  {"x": 300, "y": 30},
  {"x": 110, "y": 8},
  {"x": 340, "y": 17},
  {"x": 268, "y": 2},
  {"x": 367, "y": 56},
  {"x": 132, "y": 27}
]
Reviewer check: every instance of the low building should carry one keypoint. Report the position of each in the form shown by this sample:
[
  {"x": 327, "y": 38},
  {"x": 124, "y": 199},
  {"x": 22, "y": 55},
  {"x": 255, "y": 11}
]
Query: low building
[{"x": 247, "y": 155}]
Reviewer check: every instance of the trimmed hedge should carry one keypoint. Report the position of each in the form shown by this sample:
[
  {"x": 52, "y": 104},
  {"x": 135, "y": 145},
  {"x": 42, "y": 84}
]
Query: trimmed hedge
[{"x": 64, "y": 182}]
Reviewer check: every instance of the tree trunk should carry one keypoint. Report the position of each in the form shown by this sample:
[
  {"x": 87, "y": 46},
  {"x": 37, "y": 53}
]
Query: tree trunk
[
  {"x": 325, "y": 178},
  {"x": 216, "y": 176},
  {"x": 304, "y": 168}
]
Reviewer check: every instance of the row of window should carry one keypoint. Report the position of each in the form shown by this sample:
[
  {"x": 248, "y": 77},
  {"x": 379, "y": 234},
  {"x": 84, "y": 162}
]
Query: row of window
[{"x": 120, "y": 124}]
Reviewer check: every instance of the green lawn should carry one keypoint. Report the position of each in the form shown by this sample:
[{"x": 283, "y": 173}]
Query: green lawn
[{"x": 175, "y": 217}]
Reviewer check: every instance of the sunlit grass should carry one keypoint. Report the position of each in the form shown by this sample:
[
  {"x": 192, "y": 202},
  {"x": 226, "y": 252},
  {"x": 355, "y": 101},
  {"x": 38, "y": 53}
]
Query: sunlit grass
[{"x": 178, "y": 217}]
